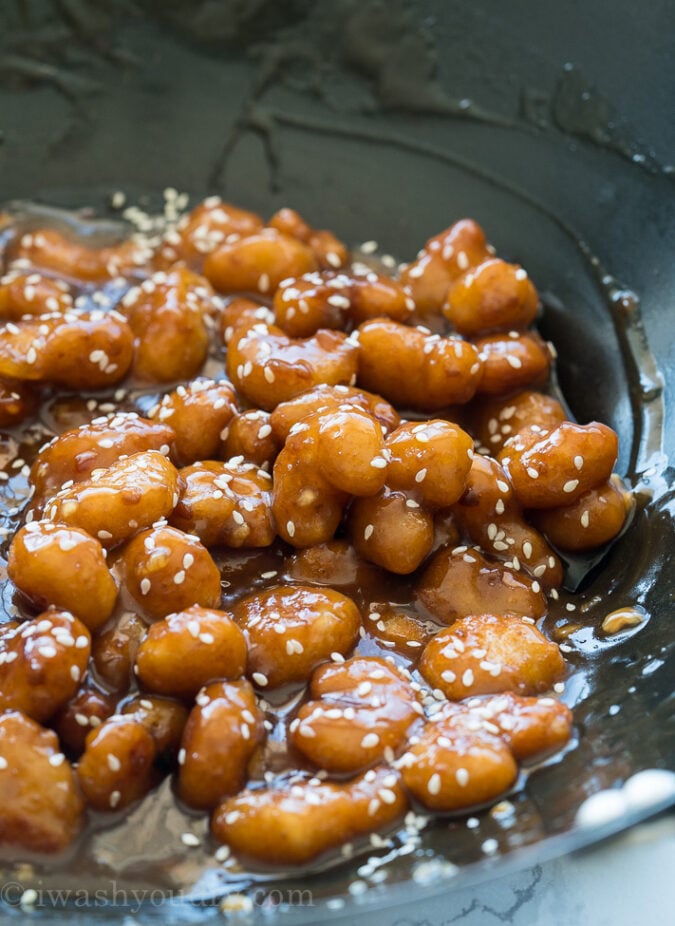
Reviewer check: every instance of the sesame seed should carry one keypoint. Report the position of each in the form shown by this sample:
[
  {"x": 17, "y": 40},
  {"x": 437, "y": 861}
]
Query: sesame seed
[
  {"x": 57, "y": 759},
  {"x": 3, "y": 763},
  {"x": 490, "y": 846},
  {"x": 222, "y": 854},
  {"x": 114, "y": 763},
  {"x": 527, "y": 549},
  {"x": 260, "y": 679},
  {"x": 114, "y": 798},
  {"x": 467, "y": 678},
  {"x": 570, "y": 485},
  {"x": 421, "y": 475},
  {"x": 290, "y": 528},
  {"x": 145, "y": 586},
  {"x": 585, "y": 518},
  {"x": 434, "y": 784},
  {"x": 579, "y": 461},
  {"x": 370, "y": 740},
  {"x": 462, "y": 777},
  {"x": 189, "y": 839}
]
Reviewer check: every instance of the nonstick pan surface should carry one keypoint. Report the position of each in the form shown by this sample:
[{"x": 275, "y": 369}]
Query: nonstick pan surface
[{"x": 549, "y": 123}]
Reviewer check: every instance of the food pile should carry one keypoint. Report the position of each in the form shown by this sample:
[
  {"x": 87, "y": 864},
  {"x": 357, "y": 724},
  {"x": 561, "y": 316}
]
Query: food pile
[{"x": 292, "y": 539}]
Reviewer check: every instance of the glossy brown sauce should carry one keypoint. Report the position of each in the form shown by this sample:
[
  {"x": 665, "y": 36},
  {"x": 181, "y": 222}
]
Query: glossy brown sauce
[{"x": 144, "y": 846}]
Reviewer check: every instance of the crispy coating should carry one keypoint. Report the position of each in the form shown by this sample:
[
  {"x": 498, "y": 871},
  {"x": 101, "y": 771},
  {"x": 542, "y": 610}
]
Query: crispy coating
[
  {"x": 293, "y": 629},
  {"x": 488, "y": 654},
  {"x": 74, "y": 350},
  {"x": 267, "y": 367},
  {"x": 65, "y": 567},
  {"x": 224, "y": 730},
  {"x": 360, "y": 712},
  {"x": 386, "y": 530},
  {"x": 258, "y": 262},
  {"x": 554, "y": 468},
  {"x": 50, "y": 250},
  {"x": 489, "y": 513},
  {"x": 164, "y": 570},
  {"x": 334, "y": 563},
  {"x": 494, "y": 296},
  {"x": 18, "y": 401},
  {"x": 323, "y": 398},
  {"x": 115, "y": 503},
  {"x": 29, "y": 293},
  {"x": 116, "y": 767},
  {"x": 427, "y": 469},
  {"x": 461, "y": 581},
  {"x": 329, "y": 251},
  {"x": 227, "y": 504},
  {"x": 249, "y": 435},
  {"x": 114, "y": 651},
  {"x": 303, "y": 821},
  {"x": 416, "y": 369},
  {"x": 164, "y": 719},
  {"x": 42, "y": 663},
  {"x": 76, "y": 453},
  {"x": 594, "y": 519},
  {"x": 326, "y": 458},
  {"x": 238, "y": 311},
  {"x": 197, "y": 413},
  {"x": 512, "y": 361},
  {"x": 495, "y": 420},
  {"x": 443, "y": 259},
  {"x": 209, "y": 224},
  {"x": 40, "y": 806},
  {"x": 167, "y": 314},
  {"x": 87, "y": 709},
  {"x": 305, "y": 304},
  {"x": 184, "y": 651},
  {"x": 467, "y": 753}
]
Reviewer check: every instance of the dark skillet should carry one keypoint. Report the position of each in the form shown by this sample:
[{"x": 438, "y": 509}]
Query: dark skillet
[{"x": 549, "y": 123}]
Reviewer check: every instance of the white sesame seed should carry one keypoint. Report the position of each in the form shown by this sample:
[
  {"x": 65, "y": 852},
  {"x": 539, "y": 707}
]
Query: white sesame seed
[
  {"x": 368, "y": 531},
  {"x": 145, "y": 586},
  {"x": 260, "y": 679},
  {"x": 462, "y": 777},
  {"x": 570, "y": 485},
  {"x": 114, "y": 763},
  {"x": 585, "y": 518},
  {"x": 290, "y": 528},
  {"x": 434, "y": 784},
  {"x": 370, "y": 740},
  {"x": 579, "y": 461},
  {"x": 190, "y": 839},
  {"x": 467, "y": 678}
]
